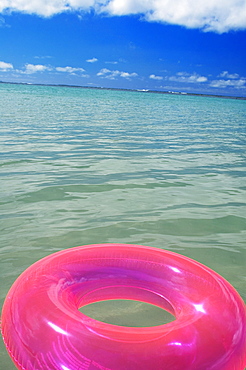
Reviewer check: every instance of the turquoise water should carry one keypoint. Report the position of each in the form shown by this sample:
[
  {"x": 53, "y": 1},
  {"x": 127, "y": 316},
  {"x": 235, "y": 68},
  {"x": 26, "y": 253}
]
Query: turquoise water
[{"x": 82, "y": 166}]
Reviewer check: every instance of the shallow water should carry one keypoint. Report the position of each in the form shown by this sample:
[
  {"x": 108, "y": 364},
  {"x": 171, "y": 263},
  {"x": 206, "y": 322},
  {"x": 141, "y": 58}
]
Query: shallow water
[{"x": 83, "y": 166}]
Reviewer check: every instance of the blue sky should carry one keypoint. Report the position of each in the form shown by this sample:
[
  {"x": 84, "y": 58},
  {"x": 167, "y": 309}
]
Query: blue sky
[{"x": 166, "y": 45}]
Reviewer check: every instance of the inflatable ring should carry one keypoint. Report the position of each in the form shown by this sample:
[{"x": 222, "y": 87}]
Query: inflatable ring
[{"x": 44, "y": 330}]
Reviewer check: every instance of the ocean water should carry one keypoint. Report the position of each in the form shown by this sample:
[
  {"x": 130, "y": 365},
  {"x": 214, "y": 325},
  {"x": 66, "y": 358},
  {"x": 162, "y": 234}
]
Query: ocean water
[{"x": 84, "y": 166}]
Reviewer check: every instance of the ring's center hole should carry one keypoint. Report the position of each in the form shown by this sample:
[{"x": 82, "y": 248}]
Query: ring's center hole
[{"x": 126, "y": 312}]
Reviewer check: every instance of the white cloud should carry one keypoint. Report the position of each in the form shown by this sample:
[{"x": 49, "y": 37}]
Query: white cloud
[
  {"x": 3, "y": 23},
  {"x": 43, "y": 57},
  {"x": 154, "y": 77},
  {"x": 45, "y": 8},
  {"x": 92, "y": 60},
  {"x": 103, "y": 72},
  {"x": 227, "y": 79},
  {"x": 210, "y": 15},
  {"x": 226, "y": 74},
  {"x": 111, "y": 62},
  {"x": 69, "y": 69},
  {"x": 5, "y": 66},
  {"x": 128, "y": 75},
  {"x": 112, "y": 75},
  {"x": 188, "y": 78},
  {"x": 34, "y": 68},
  {"x": 237, "y": 84}
]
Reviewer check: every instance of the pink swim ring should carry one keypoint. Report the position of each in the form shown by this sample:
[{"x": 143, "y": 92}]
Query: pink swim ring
[{"x": 43, "y": 329}]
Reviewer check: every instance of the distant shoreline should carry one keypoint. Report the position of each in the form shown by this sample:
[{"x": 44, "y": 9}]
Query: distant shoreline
[{"x": 129, "y": 90}]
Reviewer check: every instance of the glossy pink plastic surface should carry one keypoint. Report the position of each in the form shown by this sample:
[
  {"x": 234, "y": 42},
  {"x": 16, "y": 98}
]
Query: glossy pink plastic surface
[{"x": 44, "y": 330}]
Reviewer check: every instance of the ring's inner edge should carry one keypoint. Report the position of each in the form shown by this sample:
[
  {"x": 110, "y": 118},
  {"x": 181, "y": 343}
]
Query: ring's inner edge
[{"x": 124, "y": 293}]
